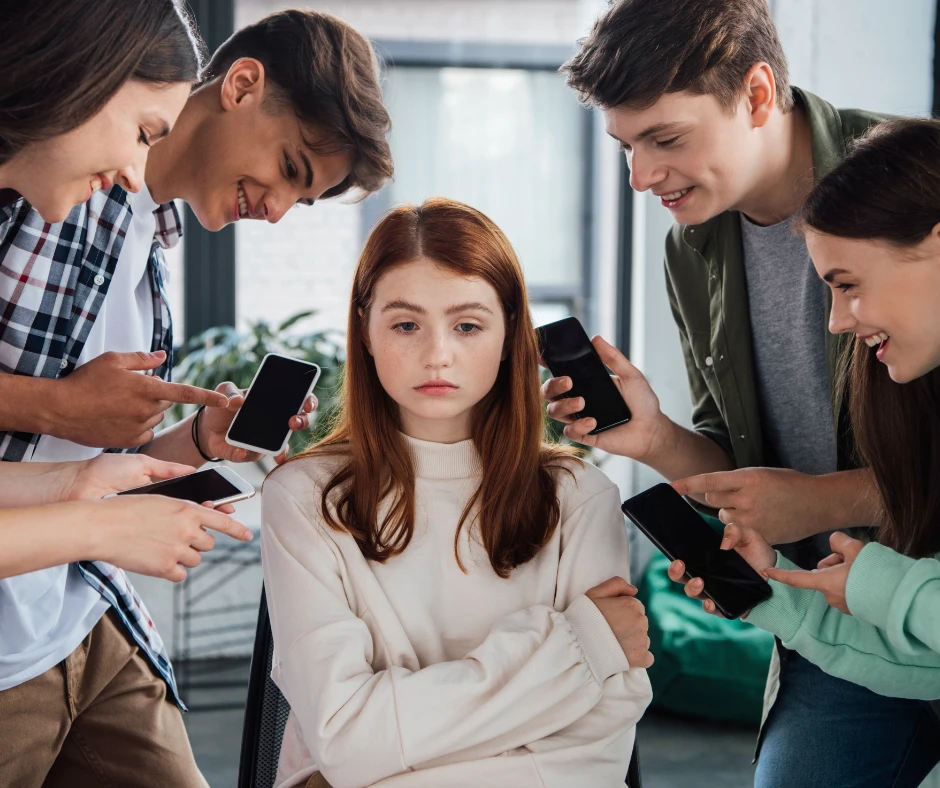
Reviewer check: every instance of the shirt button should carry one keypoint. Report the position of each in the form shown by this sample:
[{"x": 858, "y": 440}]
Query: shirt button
[
  {"x": 709, "y": 361},
  {"x": 63, "y": 363},
  {"x": 99, "y": 280}
]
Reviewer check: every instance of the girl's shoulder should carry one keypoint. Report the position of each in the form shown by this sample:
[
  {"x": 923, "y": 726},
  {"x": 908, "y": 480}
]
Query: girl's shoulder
[
  {"x": 305, "y": 477},
  {"x": 578, "y": 481}
]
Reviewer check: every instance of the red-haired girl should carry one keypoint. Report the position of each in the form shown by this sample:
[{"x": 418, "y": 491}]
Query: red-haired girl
[{"x": 448, "y": 593}]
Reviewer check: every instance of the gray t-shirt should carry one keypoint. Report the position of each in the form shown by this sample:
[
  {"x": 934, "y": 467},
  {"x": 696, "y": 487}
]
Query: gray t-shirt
[{"x": 787, "y": 305}]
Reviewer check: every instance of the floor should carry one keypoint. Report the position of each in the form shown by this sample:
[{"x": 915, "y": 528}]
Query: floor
[{"x": 674, "y": 752}]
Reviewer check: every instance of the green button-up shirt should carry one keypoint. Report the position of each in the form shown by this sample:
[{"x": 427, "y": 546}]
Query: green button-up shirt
[{"x": 705, "y": 281}]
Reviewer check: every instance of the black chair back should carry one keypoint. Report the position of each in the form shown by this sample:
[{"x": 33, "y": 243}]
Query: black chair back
[{"x": 267, "y": 711}]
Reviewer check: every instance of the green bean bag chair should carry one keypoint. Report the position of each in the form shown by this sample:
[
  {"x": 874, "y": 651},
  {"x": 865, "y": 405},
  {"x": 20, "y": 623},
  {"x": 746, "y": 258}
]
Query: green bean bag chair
[{"x": 705, "y": 666}]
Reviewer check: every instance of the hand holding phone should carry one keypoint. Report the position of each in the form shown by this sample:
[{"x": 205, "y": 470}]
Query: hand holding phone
[
  {"x": 567, "y": 351},
  {"x": 677, "y": 530},
  {"x": 220, "y": 485},
  {"x": 277, "y": 392}
]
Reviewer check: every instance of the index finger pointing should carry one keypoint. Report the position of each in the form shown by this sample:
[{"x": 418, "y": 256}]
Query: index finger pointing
[
  {"x": 217, "y": 521},
  {"x": 187, "y": 395},
  {"x": 797, "y": 578}
]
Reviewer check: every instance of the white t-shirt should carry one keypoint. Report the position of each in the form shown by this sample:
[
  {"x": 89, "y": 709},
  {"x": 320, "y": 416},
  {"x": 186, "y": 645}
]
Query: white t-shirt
[{"x": 45, "y": 615}]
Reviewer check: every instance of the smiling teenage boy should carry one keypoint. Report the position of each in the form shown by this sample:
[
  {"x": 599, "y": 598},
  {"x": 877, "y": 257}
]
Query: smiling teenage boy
[
  {"x": 289, "y": 111},
  {"x": 696, "y": 93}
]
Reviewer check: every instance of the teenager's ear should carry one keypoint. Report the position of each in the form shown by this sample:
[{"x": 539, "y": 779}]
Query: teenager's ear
[
  {"x": 364, "y": 330},
  {"x": 244, "y": 83},
  {"x": 760, "y": 90}
]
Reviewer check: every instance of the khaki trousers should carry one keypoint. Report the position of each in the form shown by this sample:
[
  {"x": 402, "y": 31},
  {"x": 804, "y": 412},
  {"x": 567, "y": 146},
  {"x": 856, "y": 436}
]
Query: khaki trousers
[{"x": 100, "y": 718}]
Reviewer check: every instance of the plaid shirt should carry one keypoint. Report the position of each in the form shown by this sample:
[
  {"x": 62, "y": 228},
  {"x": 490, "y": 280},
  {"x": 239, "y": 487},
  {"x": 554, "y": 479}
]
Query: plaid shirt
[{"x": 53, "y": 281}]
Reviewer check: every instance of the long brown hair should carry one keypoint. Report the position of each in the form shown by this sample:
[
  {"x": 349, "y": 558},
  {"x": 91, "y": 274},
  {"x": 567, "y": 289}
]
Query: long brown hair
[
  {"x": 888, "y": 189},
  {"x": 326, "y": 72},
  {"x": 517, "y": 503},
  {"x": 63, "y": 60}
]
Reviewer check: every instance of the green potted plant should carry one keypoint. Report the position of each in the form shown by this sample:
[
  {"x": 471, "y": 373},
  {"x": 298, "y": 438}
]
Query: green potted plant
[{"x": 228, "y": 353}]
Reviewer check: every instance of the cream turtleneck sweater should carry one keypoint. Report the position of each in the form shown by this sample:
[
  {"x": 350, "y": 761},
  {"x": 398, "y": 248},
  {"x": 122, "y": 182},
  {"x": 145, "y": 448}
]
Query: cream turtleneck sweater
[{"x": 413, "y": 673}]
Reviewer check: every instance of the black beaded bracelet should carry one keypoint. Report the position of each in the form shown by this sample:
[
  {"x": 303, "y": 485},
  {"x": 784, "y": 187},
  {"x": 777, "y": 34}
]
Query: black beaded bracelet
[{"x": 195, "y": 433}]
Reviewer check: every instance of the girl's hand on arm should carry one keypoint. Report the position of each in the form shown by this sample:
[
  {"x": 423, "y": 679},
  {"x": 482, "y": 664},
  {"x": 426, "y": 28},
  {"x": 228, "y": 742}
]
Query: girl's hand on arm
[{"x": 626, "y": 617}]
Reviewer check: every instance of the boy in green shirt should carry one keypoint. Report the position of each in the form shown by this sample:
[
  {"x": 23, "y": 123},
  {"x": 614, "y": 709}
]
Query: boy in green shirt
[{"x": 696, "y": 94}]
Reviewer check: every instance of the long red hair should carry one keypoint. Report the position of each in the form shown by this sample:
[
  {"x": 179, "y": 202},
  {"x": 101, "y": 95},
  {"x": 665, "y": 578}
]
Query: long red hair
[{"x": 518, "y": 507}]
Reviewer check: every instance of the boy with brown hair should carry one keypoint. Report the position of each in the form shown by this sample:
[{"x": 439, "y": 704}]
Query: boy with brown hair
[
  {"x": 697, "y": 95},
  {"x": 289, "y": 111}
]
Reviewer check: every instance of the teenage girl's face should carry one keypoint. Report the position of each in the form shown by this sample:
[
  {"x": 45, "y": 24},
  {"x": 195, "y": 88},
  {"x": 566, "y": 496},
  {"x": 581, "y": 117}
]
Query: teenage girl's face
[
  {"x": 887, "y": 296},
  {"x": 437, "y": 339},
  {"x": 110, "y": 148}
]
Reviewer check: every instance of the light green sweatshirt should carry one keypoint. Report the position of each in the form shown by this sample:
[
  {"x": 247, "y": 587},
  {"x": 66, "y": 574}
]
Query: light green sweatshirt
[{"x": 890, "y": 643}]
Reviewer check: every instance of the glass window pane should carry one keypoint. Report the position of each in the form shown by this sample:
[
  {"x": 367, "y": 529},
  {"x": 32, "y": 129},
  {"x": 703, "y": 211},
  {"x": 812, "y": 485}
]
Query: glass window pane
[{"x": 509, "y": 142}]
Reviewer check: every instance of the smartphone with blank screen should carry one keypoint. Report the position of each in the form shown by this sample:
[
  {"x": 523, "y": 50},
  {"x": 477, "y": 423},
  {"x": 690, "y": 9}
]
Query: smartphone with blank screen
[
  {"x": 681, "y": 534},
  {"x": 567, "y": 351},
  {"x": 277, "y": 392},
  {"x": 219, "y": 485}
]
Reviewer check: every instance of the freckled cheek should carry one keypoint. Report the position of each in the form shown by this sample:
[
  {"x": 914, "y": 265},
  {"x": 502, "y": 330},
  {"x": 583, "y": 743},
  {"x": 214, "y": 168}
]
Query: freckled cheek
[{"x": 392, "y": 364}]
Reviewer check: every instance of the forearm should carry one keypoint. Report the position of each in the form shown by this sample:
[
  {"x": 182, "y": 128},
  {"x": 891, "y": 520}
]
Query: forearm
[
  {"x": 39, "y": 537},
  {"x": 679, "y": 452},
  {"x": 845, "y": 646},
  {"x": 35, "y": 483},
  {"x": 24, "y": 402},
  {"x": 852, "y": 499},
  {"x": 175, "y": 444},
  {"x": 899, "y": 594}
]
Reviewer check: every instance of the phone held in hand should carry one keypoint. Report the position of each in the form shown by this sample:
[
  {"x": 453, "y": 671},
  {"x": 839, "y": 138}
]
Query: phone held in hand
[
  {"x": 277, "y": 393},
  {"x": 219, "y": 485},
  {"x": 678, "y": 531},
  {"x": 567, "y": 351}
]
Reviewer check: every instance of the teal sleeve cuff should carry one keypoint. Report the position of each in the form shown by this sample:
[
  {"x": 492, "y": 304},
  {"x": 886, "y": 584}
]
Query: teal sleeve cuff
[
  {"x": 785, "y": 611},
  {"x": 873, "y": 581}
]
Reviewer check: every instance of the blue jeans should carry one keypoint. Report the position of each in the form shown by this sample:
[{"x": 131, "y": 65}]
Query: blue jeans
[{"x": 825, "y": 732}]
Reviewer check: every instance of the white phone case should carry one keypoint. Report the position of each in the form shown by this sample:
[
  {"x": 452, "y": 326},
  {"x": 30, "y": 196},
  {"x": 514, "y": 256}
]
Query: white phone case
[{"x": 258, "y": 449}]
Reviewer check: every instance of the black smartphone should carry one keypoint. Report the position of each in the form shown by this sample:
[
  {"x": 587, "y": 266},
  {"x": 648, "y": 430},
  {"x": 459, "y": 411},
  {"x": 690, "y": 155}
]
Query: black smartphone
[
  {"x": 219, "y": 485},
  {"x": 681, "y": 534},
  {"x": 567, "y": 352},
  {"x": 277, "y": 392}
]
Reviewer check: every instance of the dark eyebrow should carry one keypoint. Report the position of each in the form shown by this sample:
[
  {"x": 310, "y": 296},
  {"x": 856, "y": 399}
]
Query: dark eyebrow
[
  {"x": 656, "y": 128},
  {"x": 467, "y": 307},
  {"x": 399, "y": 303},
  {"x": 832, "y": 274},
  {"x": 308, "y": 181}
]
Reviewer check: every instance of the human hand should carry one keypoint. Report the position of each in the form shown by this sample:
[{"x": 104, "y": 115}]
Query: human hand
[
  {"x": 783, "y": 505},
  {"x": 639, "y": 437},
  {"x": 214, "y": 424},
  {"x": 112, "y": 473},
  {"x": 626, "y": 618},
  {"x": 108, "y": 403},
  {"x": 831, "y": 576},
  {"x": 157, "y": 536},
  {"x": 747, "y": 542}
]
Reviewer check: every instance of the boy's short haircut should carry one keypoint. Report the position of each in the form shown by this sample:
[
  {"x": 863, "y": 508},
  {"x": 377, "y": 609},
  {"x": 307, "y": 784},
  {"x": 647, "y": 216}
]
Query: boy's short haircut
[
  {"x": 327, "y": 73},
  {"x": 640, "y": 50}
]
